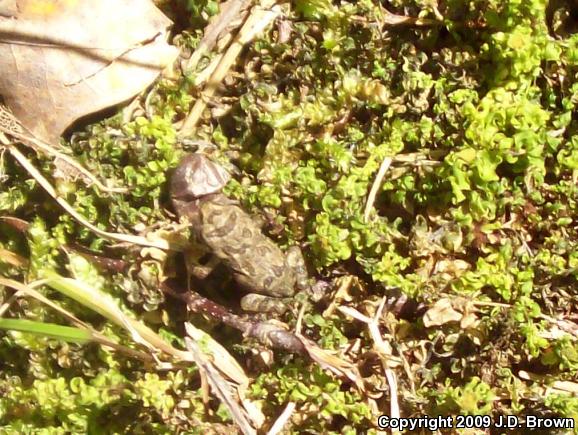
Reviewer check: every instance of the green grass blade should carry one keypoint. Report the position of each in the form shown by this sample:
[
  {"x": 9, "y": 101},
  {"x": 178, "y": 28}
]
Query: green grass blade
[
  {"x": 52, "y": 330},
  {"x": 107, "y": 307}
]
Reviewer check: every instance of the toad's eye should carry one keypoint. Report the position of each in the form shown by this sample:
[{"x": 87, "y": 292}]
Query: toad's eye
[{"x": 197, "y": 176}]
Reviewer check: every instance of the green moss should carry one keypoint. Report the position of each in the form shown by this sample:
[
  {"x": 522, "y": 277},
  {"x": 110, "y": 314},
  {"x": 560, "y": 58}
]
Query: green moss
[{"x": 478, "y": 205}]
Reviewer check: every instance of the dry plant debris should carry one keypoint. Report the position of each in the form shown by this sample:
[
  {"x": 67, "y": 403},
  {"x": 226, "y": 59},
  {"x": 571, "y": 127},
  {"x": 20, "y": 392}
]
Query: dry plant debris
[
  {"x": 61, "y": 61},
  {"x": 423, "y": 155}
]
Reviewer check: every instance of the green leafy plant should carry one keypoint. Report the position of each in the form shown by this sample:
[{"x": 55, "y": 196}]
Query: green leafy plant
[{"x": 422, "y": 163}]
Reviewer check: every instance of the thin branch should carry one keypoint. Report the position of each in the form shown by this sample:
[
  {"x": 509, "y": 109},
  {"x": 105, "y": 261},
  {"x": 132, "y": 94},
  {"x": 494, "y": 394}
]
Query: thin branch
[
  {"x": 129, "y": 238},
  {"x": 231, "y": 11},
  {"x": 11, "y": 126},
  {"x": 259, "y": 18}
]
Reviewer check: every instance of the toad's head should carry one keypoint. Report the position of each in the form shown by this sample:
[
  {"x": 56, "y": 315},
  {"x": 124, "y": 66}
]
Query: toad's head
[{"x": 197, "y": 176}]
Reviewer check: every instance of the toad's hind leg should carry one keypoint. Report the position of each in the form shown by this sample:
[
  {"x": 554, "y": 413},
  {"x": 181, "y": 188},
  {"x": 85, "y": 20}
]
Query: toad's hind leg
[
  {"x": 311, "y": 291},
  {"x": 256, "y": 303},
  {"x": 294, "y": 260}
]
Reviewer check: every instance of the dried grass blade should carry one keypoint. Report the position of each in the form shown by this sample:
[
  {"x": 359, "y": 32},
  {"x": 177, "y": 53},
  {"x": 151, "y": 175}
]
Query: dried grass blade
[
  {"x": 259, "y": 18},
  {"x": 105, "y": 306},
  {"x": 226, "y": 393},
  {"x": 137, "y": 240}
]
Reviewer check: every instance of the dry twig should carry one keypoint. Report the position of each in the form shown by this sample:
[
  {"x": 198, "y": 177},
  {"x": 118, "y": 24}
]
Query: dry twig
[
  {"x": 376, "y": 186},
  {"x": 260, "y": 17},
  {"x": 9, "y": 125},
  {"x": 34, "y": 173},
  {"x": 232, "y": 14}
]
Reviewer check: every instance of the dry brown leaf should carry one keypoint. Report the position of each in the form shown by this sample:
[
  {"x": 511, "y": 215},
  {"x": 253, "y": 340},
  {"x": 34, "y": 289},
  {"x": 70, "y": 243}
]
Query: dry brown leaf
[
  {"x": 442, "y": 312},
  {"x": 452, "y": 268},
  {"x": 226, "y": 378},
  {"x": 13, "y": 259},
  {"x": 469, "y": 320},
  {"x": 456, "y": 309},
  {"x": 62, "y": 60},
  {"x": 219, "y": 355}
]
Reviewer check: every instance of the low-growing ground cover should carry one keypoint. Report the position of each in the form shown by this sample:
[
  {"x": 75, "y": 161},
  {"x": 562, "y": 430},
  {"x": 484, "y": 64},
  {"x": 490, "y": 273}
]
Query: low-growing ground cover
[{"x": 471, "y": 234}]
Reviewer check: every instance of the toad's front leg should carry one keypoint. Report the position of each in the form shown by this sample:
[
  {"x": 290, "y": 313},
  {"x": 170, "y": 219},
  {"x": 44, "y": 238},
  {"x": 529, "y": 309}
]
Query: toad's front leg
[{"x": 195, "y": 266}]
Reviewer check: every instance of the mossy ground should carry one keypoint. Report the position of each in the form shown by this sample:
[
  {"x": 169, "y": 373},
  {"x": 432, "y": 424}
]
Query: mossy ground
[{"x": 474, "y": 222}]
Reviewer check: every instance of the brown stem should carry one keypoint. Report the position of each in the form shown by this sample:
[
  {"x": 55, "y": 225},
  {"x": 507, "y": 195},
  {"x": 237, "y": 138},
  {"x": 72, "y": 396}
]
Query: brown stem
[{"x": 267, "y": 333}]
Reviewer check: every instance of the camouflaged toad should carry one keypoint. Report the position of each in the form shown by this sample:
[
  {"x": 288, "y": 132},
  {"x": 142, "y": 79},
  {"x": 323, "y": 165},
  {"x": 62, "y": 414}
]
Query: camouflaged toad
[{"x": 234, "y": 238}]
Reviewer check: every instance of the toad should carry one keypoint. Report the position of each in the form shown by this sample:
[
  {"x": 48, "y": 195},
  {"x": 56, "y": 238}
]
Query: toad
[{"x": 234, "y": 238}]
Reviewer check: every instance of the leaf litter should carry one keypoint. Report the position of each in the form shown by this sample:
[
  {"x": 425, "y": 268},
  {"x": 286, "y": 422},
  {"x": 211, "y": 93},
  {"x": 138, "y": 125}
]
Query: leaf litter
[{"x": 418, "y": 189}]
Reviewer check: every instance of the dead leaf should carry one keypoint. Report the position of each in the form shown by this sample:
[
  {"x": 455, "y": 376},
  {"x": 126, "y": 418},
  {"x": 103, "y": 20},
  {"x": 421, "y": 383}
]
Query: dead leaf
[
  {"x": 456, "y": 309},
  {"x": 62, "y": 60},
  {"x": 564, "y": 326},
  {"x": 468, "y": 320},
  {"x": 220, "y": 387},
  {"x": 216, "y": 353},
  {"x": 441, "y": 313},
  {"x": 451, "y": 268},
  {"x": 219, "y": 369},
  {"x": 13, "y": 259},
  {"x": 342, "y": 294}
]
